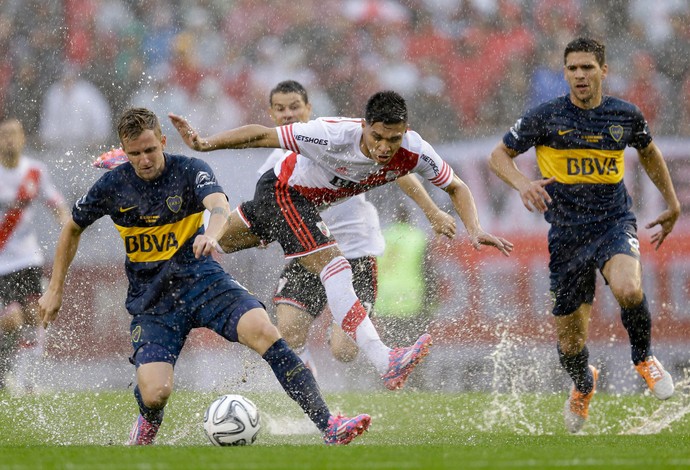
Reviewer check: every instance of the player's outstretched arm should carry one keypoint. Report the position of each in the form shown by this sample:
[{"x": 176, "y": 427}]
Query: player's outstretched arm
[
  {"x": 50, "y": 302},
  {"x": 653, "y": 163},
  {"x": 441, "y": 222},
  {"x": 464, "y": 205},
  {"x": 250, "y": 136},
  {"x": 532, "y": 193}
]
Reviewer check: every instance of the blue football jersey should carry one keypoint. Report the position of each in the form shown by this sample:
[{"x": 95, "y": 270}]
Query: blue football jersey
[
  {"x": 157, "y": 221},
  {"x": 583, "y": 149}
]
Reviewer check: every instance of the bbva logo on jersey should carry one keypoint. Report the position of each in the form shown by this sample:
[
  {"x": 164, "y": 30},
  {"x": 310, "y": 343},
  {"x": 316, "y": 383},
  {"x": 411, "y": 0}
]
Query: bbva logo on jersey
[
  {"x": 148, "y": 242},
  {"x": 589, "y": 166}
]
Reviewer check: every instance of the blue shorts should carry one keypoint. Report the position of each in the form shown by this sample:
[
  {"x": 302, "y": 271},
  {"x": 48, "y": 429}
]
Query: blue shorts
[
  {"x": 576, "y": 255},
  {"x": 217, "y": 304}
]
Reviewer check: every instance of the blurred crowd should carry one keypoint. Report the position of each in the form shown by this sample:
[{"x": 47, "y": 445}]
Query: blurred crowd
[{"x": 467, "y": 67}]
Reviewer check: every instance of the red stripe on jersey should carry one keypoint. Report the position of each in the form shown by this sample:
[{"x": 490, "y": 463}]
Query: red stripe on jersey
[
  {"x": 28, "y": 190},
  {"x": 442, "y": 176},
  {"x": 289, "y": 141},
  {"x": 353, "y": 318},
  {"x": 403, "y": 162},
  {"x": 287, "y": 167},
  {"x": 293, "y": 218}
]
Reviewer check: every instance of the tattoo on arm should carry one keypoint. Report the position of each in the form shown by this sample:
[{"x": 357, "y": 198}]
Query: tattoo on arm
[{"x": 220, "y": 211}]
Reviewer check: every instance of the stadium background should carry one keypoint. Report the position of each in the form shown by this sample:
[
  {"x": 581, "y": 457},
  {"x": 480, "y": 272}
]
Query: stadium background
[{"x": 468, "y": 69}]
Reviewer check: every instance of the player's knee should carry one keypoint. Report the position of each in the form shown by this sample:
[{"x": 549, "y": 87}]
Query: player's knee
[
  {"x": 11, "y": 317},
  {"x": 570, "y": 346},
  {"x": 155, "y": 396},
  {"x": 256, "y": 331},
  {"x": 346, "y": 354},
  {"x": 628, "y": 295},
  {"x": 294, "y": 339}
]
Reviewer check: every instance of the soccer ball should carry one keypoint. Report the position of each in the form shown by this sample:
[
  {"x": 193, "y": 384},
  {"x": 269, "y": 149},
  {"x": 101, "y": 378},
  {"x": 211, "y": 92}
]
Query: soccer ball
[{"x": 232, "y": 420}]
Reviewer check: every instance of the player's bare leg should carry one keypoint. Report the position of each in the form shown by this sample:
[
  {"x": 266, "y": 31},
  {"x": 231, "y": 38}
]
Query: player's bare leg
[
  {"x": 572, "y": 331},
  {"x": 238, "y": 236},
  {"x": 154, "y": 386},
  {"x": 294, "y": 324}
]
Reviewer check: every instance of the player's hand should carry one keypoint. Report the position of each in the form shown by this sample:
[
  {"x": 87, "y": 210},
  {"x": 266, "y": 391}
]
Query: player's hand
[
  {"x": 188, "y": 134},
  {"x": 443, "y": 224},
  {"x": 48, "y": 306},
  {"x": 205, "y": 245},
  {"x": 501, "y": 244},
  {"x": 666, "y": 221},
  {"x": 534, "y": 196}
]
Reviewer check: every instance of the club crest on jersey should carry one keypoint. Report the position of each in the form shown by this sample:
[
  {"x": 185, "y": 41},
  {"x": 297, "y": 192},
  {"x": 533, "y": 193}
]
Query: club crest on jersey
[
  {"x": 324, "y": 228},
  {"x": 616, "y": 132},
  {"x": 341, "y": 170},
  {"x": 174, "y": 203}
]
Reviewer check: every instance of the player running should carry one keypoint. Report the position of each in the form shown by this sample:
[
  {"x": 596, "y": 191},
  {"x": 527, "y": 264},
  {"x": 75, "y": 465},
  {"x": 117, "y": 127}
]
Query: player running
[
  {"x": 300, "y": 296},
  {"x": 333, "y": 159},
  {"x": 24, "y": 182},
  {"x": 580, "y": 140},
  {"x": 156, "y": 202}
]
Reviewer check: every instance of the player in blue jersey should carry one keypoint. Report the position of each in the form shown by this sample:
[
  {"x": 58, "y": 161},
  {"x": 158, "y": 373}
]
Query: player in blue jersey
[
  {"x": 156, "y": 202},
  {"x": 579, "y": 140}
]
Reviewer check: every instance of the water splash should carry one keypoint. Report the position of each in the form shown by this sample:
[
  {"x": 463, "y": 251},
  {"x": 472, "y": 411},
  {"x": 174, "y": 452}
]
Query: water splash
[
  {"x": 513, "y": 377},
  {"x": 668, "y": 411}
]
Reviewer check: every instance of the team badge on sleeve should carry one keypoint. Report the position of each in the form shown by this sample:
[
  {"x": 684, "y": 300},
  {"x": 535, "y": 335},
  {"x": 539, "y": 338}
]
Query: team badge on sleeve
[{"x": 203, "y": 178}]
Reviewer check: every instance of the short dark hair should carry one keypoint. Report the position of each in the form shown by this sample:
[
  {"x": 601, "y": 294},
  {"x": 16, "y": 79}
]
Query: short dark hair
[
  {"x": 289, "y": 86},
  {"x": 586, "y": 45},
  {"x": 387, "y": 107},
  {"x": 134, "y": 121}
]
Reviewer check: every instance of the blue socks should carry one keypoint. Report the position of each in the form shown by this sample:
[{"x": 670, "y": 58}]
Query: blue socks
[
  {"x": 638, "y": 323},
  {"x": 149, "y": 414},
  {"x": 298, "y": 382},
  {"x": 577, "y": 367}
]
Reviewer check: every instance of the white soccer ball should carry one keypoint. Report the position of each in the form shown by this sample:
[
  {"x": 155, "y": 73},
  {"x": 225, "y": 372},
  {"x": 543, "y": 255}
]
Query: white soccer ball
[{"x": 232, "y": 420}]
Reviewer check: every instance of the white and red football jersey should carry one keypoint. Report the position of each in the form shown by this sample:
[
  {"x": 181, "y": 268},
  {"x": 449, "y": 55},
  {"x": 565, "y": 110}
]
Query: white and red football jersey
[
  {"x": 327, "y": 164},
  {"x": 354, "y": 222},
  {"x": 21, "y": 188}
]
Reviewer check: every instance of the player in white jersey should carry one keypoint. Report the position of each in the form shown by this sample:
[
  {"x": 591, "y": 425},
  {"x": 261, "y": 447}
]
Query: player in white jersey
[
  {"x": 300, "y": 296},
  {"x": 23, "y": 183},
  {"x": 334, "y": 159}
]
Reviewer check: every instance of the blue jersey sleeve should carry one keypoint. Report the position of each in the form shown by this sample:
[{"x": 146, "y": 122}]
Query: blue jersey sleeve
[
  {"x": 641, "y": 137},
  {"x": 95, "y": 203},
  {"x": 205, "y": 182},
  {"x": 526, "y": 132}
]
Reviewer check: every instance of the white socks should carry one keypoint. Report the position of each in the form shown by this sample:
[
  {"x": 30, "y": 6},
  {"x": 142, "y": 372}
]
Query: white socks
[{"x": 349, "y": 313}]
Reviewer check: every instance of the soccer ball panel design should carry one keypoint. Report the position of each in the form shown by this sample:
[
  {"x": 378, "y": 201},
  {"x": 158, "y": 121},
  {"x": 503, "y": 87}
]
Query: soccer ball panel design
[{"x": 232, "y": 420}]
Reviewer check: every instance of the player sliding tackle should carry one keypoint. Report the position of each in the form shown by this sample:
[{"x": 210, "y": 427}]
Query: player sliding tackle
[{"x": 333, "y": 159}]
